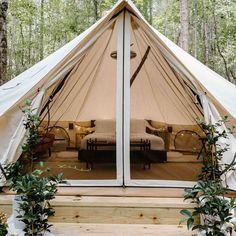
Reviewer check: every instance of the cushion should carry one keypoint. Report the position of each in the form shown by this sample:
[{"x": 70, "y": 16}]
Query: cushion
[
  {"x": 138, "y": 126},
  {"x": 105, "y": 126}
]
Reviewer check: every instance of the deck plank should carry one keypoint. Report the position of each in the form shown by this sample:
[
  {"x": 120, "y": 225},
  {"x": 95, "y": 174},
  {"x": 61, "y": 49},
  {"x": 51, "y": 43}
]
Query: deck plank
[
  {"x": 120, "y": 210},
  {"x": 74, "y": 229},
  {"x": 118, "y": 191}
]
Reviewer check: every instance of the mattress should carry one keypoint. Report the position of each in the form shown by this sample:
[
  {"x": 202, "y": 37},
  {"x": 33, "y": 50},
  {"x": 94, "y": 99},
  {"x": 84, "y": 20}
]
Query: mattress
[{"x": 157, "y": 143}]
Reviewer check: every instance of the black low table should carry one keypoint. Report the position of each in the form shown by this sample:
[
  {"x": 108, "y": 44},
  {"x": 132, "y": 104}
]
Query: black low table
[{"x": 105, "y": 152}]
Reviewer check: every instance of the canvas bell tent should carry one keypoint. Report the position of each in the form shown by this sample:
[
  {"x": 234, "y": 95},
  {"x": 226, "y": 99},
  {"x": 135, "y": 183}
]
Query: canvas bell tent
[{"x": 105, "y": 89}]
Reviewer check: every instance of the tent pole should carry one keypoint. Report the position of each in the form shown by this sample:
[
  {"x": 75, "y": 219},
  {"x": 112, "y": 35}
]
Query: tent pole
[
  {"x": 53, "y": 94},
  {"x": 140, "y": 66}
]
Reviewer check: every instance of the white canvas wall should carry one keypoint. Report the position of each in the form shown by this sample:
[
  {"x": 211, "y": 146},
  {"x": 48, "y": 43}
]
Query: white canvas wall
[{"x": 158, "y": 93}]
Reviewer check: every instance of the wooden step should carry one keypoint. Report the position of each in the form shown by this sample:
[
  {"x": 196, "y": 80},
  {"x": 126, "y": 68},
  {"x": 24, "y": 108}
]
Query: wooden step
[
  {"x": 122, "y": 192},
  {"x": 112, "y": 210},
  {"x": 119, "y": 210},
  {"x": 117, "y": 192},
  {"x": 73, "y": 229}
]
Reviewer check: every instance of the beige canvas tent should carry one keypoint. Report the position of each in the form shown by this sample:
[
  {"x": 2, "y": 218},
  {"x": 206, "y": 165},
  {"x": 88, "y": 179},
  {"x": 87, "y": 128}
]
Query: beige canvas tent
[{"x": 89, "y": 79}]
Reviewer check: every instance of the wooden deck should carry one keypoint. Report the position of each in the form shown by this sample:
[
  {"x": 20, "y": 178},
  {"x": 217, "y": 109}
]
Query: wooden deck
[
  {"x": 114, "y": 215},
  {"x": 112, "y": 209},
  {"x": 115, "y": 211}
]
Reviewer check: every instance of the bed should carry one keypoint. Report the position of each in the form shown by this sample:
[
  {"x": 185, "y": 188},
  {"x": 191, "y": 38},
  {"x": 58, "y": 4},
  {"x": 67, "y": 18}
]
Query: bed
[{"x": 100, "y": 146}]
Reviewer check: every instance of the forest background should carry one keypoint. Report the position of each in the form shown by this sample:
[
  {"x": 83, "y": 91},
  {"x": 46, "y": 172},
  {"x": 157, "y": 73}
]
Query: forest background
[{"x": 32, "y": 29}]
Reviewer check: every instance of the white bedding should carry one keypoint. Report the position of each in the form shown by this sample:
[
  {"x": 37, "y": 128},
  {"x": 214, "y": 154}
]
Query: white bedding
[{"x": 157, "y": 143}]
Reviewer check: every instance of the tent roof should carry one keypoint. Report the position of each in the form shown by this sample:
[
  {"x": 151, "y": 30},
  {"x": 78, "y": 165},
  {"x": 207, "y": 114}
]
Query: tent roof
[
  {"x": 27, "y": 84},
  {"x": 90, "y": 75}
]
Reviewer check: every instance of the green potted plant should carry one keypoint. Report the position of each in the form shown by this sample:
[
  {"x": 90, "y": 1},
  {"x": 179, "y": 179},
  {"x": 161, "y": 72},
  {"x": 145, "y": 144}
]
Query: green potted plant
[
  {"x": 32, "y": 204},
  {"x": 34, "y": 190},
  {"x": 215, "y": 210}
]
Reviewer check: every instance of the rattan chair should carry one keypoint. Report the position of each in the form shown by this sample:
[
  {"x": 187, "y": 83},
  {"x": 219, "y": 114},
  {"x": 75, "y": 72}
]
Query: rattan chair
[{"x": 188, "y": 141}]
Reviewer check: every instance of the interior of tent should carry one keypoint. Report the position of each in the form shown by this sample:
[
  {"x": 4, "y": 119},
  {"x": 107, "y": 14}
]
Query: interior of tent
[{"x": 79, "y": 114}]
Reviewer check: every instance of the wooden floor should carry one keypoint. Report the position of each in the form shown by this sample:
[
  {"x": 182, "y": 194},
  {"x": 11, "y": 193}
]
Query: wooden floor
[{"x": 177, "y": 167}]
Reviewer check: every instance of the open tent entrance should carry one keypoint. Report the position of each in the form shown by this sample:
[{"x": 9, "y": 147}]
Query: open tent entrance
[
  {"x": 123, "y": 113},
  {"x": 170, "y": 105},
  {"x": 73, "y": 106},
  {"x": 159, "y": 93}
]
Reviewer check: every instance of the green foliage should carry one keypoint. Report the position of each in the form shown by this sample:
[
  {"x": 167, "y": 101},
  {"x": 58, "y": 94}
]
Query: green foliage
[
  {"x": 13, "y": 172},
  {"x": 3, "y": 225},
  {"x": 209, "y": 192},
  {"x": 214, "y": 209},
  {"x": 35, "y": 192},
  {"x": 64, "y": 20},
  {"x": 34, "y": 207},
  {"x": 214, "y": 148},
  {"x": 32, "y": 138},
  {"x": 35, "y": 189}
]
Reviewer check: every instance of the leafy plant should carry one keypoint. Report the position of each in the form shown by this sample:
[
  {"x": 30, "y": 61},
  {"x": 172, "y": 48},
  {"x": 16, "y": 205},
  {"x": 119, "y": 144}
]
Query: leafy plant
[
  {"x": 12, "y": 172},
  {"x": 214, "y": 148},
  {"x": 31, "y": 124},
  {"x": 35, "y": 193},
  {"x": 35, "y": 189},
  {"x": 3, "y": 225},
  {"x": 213, "y": 208},
  {"x": 34, "y": 207}
]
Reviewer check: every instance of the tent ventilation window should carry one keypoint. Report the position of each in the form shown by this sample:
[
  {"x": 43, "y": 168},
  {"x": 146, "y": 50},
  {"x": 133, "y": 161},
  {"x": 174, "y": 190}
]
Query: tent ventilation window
[{"x": 113, "y": 54}]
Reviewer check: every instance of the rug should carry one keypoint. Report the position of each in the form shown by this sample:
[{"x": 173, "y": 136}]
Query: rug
[{"x": 180, "y": 157}]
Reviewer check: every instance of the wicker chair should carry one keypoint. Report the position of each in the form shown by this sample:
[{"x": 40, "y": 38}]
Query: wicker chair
[
  {"x": 46, "y": 143},
  {"x": 188, "y": 141}
]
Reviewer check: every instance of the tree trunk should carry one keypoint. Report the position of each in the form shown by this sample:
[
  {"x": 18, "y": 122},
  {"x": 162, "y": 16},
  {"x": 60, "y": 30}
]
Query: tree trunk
[
  {"x": 195, "y": 45},
  {"x": 150, "y": 11},
  {"x": 184, "y": 24},
  {"x": 29, "y": 47},
  {"x": 41, "y": 30},
  {"x": 228, "y": 71},
  {"x": 3, "y": 41},
  {"x": 205, "y": 36},
  {"x": 166, "y": 20},
  {"x": 206, "y": 43},
  {"x": 22, "y": 50},
  {"x": 14, "y": 40},
  {"x": 95, "y": 5}
]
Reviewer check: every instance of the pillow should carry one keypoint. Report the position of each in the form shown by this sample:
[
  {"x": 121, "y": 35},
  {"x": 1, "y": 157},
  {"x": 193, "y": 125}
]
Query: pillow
[
  {"x": 105, "y": 126},
  {"x": 138, "y": 126}
]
